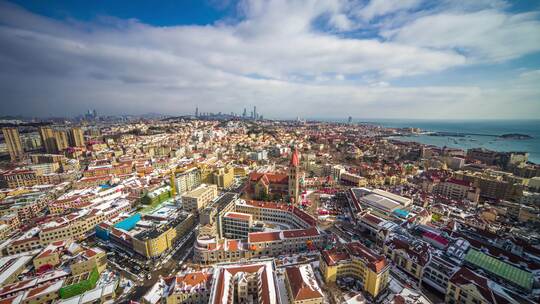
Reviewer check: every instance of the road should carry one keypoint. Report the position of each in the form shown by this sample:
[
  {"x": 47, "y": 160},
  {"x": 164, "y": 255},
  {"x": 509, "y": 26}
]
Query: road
[{"x": 164, "y": 270}]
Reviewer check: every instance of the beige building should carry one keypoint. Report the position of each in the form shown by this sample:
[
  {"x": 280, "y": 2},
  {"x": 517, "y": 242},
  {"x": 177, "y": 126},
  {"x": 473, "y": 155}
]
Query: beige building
[
  {"x": 50, "y": 255},
  {"x": 187, "y": 179},
  {"x": 198, "y": 198},
  {"x": 353, "y": 179},
  {"x": 457, "y": 190}
]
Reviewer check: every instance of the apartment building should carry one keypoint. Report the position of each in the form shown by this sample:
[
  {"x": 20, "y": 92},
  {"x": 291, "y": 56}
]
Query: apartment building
[
  {"x": 192, "y": 288},
  {"x": 249, "y": 282},
  {"x": 457, "y": 190},
  {"x": 357, "y": 261},
  {"x": 13, "y": 143},
  {"x": 198, "y": 198},
  {"x": 187, "y": 180},
  {"x": 302, "y": 286},
  {"x": 223, "y": 177},
  {"x": 236, "y": 225},
  {"x": 410, "y": 256},
  {"x": 88, "y": 260}
]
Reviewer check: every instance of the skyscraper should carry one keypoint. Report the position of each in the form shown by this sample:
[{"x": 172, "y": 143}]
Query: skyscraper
[
  {"x": 13, "y": 143},
  {"x": 196, "y": 111},
  {"x": 48, "y": 140},
  {"x": 61, "y": 139},
  {"x": 254, "y": 112},
  {"x": 245, "y": 113},
  {"x": 76, "y": 137}
]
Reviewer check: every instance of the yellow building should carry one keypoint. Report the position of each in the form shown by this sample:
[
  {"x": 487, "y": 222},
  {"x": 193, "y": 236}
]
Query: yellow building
[
  {"x": 154, "y": 242},
  {"x": 359, "y": 262},
  {"x": 467, "y": 287},
  {"x": 89, "y": 259},
  {"x": 223, "y": 177},
  {"x": 412, "y": 258},
  {"x": 241, "y": 170},
  {"x": 45, "y": 293},
  {"x": 61, "y": 139}
]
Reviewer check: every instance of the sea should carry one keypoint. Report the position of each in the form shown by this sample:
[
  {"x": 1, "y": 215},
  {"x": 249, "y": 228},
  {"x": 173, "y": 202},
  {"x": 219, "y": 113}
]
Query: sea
[
  {"x": 480, "y": 127},
  {"x": 493, "y": 128}
]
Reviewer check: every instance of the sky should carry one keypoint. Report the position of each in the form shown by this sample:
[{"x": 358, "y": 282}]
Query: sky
[{"x": 445, "y": 59}]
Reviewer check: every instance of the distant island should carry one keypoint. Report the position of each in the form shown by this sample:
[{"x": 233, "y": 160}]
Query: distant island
[{"x": 515, "y": 136}]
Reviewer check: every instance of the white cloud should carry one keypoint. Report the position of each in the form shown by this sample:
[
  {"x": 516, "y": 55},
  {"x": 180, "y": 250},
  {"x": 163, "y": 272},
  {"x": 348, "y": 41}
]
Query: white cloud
[
  {"x": 272, "y": 57},
  {"x": 487, "y": 35}
]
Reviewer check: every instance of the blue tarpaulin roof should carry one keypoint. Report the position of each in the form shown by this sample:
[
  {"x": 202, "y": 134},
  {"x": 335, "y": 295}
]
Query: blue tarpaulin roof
[{"x": 129, "y": 223}]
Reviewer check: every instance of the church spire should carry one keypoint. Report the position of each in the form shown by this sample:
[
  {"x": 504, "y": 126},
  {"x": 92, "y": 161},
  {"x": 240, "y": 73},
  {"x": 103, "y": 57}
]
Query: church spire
[{"x": 294, "y": 158}]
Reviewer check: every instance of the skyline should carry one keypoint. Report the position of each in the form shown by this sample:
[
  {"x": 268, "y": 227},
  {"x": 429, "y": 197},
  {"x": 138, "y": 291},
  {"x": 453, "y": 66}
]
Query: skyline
[{"x": 313, "y": 59}]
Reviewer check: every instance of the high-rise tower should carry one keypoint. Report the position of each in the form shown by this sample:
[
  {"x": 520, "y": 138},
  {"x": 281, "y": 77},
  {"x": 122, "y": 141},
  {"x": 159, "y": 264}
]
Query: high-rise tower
[
  {"x": 294, "y": 178},
  {"x": 13, "y": 143},
  {"x": 76, "y": 137},
  {"x": 48, "y": 140}
]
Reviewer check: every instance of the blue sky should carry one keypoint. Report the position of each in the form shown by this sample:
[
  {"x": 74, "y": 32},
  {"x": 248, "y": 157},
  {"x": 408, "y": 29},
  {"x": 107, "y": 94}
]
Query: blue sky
[
  {"x": 158, "y": 13},
  {"x": 307, "y": 58}
]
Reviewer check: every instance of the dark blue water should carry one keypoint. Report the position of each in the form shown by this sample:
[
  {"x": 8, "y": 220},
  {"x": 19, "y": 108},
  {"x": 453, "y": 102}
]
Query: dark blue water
[{"x": 489, "y": 127}]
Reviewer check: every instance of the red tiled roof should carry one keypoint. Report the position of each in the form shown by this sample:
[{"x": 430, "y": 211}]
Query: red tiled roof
[
  {"x": 372, "y": 219},
  {"x": 420, "y": 252},
  {"x": 300, "y": 290},
  {"x": 297, "y": 233},
  {"x": 259, "y": 237},
  {"x": 249, "y": 269},
  {"x": 464, "y": 276},
  {"x": 236, "y": 215},
  {"x": 373, "y": 260},
  {"x": 273, "y": 178},
  {"x": 333, "y": 256},
  {"x": 193, "y": 279}
]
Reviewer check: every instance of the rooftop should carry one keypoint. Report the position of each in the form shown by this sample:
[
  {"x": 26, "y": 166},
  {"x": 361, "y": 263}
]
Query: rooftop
[{"x": 504, "y": 270}]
